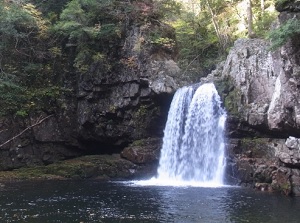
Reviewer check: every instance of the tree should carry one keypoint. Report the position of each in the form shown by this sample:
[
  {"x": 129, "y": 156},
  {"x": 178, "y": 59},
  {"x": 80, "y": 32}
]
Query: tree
[
  {"x": 203, "y": 34},
  {"x": 26, "y": 78},
  {"x": 250, "y": 19},
  {"x": 89, "y": 25},
  {"x": 287, "y": 31}
]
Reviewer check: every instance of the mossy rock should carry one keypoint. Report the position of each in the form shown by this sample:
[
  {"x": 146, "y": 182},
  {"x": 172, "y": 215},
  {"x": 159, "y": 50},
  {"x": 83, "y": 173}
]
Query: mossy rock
[
  {"x": 146, "y": 142},
  {"x": 256, "y": 147},
  {"x": 230, "y": 102},
  {"x": 94, "y": 166},
  {"x": 229, "y": 95}
]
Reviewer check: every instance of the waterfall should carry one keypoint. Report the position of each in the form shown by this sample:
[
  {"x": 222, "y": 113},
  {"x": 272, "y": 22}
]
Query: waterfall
[{"x": 193, "y": 143}]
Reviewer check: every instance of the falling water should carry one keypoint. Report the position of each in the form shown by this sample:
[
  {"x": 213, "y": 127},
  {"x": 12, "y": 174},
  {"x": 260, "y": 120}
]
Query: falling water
[{"x": 193, "y": 144}]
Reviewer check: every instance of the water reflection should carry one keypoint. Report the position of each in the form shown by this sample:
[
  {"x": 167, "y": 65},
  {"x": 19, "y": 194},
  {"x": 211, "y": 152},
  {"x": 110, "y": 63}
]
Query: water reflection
[
  {"x": 194, "y": 204},
  {"x": 253, "y": 206},
  {"x": 92, "y": 201}
]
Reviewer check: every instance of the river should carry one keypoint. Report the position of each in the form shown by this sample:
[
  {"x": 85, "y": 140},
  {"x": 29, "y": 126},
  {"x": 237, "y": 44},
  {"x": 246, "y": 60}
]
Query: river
[{"x": 96, "y": 201}]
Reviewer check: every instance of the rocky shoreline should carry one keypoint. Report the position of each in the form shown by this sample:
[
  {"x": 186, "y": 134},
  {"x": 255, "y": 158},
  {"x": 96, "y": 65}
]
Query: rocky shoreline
[{"x": 137, "y": 161}]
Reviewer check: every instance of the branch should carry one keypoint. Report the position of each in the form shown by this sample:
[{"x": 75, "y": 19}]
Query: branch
[
  {"x": 187, "y": 66},
  {"x": 3, "y": 130},
  {"x": 39, "y": 121}
]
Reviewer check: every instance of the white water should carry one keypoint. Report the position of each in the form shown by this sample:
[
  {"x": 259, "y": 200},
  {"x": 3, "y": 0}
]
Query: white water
[{"x": 193, "y": 146}]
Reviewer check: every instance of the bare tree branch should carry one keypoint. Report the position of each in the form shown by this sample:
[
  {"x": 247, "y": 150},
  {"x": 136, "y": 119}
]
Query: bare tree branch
[
  {"x": 3, "y": 130},
  {"x": 190, "y": 64},
  {"x": 39, "y": 121}
]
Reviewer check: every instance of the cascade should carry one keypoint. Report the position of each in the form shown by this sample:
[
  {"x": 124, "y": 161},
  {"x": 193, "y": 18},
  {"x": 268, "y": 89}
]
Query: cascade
[{"x": 193, "y": 143}]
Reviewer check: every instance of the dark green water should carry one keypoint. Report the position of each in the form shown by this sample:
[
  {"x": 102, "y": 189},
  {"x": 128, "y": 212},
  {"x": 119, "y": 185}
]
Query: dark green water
[{"x": 93, "y": 201}]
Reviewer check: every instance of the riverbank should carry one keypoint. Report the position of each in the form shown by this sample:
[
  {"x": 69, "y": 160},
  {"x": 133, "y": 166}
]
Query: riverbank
[{"x": 102, "y": 167}]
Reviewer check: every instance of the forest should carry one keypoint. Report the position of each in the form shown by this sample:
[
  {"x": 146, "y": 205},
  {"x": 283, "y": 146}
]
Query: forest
[{"x": 42, "y": 42}]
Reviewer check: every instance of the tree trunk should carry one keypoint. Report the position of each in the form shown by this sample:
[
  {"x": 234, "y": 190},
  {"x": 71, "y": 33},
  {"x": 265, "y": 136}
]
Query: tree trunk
[
  {"x": 262, "y": 6},
  {"x": 222, "y": 40},
  {"x": 250, "y": 19}
]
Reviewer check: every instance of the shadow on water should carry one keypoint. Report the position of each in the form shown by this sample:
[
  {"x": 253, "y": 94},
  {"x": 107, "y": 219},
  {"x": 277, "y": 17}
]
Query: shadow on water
[
  {"x": 246, "y": 205},
  {"x": 94, "y": 201}
]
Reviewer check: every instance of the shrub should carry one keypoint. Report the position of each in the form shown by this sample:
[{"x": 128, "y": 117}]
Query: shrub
[{"x": 283, "y": 33}]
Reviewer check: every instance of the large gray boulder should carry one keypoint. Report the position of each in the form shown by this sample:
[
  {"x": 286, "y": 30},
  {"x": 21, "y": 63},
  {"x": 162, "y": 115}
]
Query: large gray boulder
[
  {"x": 261, "y": 91},
  {"x": 289, "y": 153},
  {"x": 267, "y": 88},
  {"x": 250, "y": 67}
]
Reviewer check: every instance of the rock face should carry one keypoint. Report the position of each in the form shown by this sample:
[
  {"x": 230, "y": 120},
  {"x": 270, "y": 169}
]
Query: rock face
[
  {"x": 106, "y": 109},
  {"x": 260, "y": 89},
  {"x": 249, "y": 65},
  {"x": 118, "y": 107},
  {"x": 266, "y": 87}
]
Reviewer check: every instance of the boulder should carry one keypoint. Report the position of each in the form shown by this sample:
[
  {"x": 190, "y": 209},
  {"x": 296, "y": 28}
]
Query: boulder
[
  {"x": 281, "y": 181},
  {"x": 249, "y": 66},
  {"x": 295, "y": 182},
  {"x": 289, "y": 153},
  {"x": 145, "y": 151}
]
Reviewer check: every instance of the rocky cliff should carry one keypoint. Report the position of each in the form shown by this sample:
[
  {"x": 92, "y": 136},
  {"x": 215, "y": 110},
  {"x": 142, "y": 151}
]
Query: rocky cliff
[
  {"x": 116, "y": 102},
  {"x": 261, "y": 92}
]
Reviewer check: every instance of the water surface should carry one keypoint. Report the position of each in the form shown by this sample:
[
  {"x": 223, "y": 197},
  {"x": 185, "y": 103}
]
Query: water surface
[{"x": 94, "y": 201}]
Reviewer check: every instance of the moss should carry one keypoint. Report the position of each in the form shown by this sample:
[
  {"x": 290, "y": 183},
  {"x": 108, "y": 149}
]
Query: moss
[
  {"x": 94, "y": 166},
  {"x": 27, "y": 174},
  {"x": 284, "y": 188},
  {"x": 230, "y": 102},
  {"x": 141, "y": 116},
  {"x": 147, "y": 142},
  {"x": 141, "y": 112},
  {"x": 229, "y": 95},
  {"x": 139, "y": 142},
  {"x": 67, "y": 169},
  {"x": 258, "y": 147},
  {"x": 224, "y": 86}
]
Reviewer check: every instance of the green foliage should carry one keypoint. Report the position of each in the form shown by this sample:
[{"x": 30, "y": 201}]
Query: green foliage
[
  {"x": 197, "y": 42},
  {"x": 27, "y": 58},
  {"x": 11, "y": 97},
  {"x": 167, "y": 9},
  {"x": 286, "y": 31},
  {"x": 85, "y": 23},
  {"x": 157, "y": 39},
  {"x": 15, "y": 25},
  {"x": 86, "y": 19},
  {"x": 53, "y": 6},
  {"x": 41, "y": 42},
  {"x": 230, "y": 95},
  {"x": 20, "y": 101},
  {"x": 206, "y": 29},
  {"x": 262, "y": 26},
  {"x": 231, "y": 102}
]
